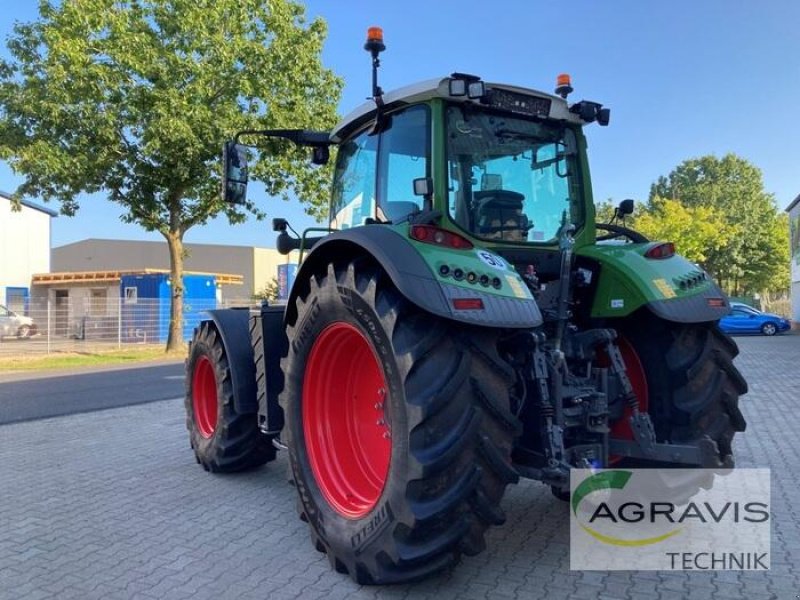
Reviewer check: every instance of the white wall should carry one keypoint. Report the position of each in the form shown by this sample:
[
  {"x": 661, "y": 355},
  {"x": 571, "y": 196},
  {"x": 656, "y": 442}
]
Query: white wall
[
  {"x": 24, "y": 245},
  {"x": 794, "y": 219}
]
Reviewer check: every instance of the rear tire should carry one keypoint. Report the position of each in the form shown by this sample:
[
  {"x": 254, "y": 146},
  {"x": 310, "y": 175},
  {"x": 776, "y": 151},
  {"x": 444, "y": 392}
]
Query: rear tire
[
  {"x": 438, "y": 481},
  {"x": 693, "y": 385},
  {"x": 223, "y": 439}
]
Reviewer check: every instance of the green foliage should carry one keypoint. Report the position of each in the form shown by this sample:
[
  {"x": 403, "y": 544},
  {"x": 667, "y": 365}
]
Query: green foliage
[
  {"x": 269, "y": 291},
  {"x": 698, "y": 231},
  {"x": 755, "y": 254},
  {"x": 134, "y": 99},
  {"x": 604, "y": 211}
]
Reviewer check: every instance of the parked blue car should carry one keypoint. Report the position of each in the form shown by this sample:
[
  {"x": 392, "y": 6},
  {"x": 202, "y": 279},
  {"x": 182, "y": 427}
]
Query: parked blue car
[{"x": 746, "y": 319}]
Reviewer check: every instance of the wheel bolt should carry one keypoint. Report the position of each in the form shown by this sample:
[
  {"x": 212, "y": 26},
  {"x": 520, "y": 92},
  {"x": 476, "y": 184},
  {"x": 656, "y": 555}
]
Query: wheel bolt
[{"x": 379, "y": 406}]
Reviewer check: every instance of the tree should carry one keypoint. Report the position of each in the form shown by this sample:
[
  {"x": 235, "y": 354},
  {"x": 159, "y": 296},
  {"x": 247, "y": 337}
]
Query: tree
[
  {"x": 697, "y": 231},
  {"x": 755, "y": 258},
  {"x": 270, "y": 291},
  {"x": 134, "y": 98},
  {"x": 604, "y": 211}
]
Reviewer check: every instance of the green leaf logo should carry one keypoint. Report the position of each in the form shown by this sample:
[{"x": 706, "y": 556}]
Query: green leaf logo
[{"x": 607, "y": 480}]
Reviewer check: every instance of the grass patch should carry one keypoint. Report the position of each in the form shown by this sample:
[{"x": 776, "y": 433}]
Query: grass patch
[{"x": 71, "y": 360}]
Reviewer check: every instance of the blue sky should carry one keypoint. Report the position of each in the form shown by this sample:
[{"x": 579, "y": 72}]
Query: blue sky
[{"x": 682, "y": 78}]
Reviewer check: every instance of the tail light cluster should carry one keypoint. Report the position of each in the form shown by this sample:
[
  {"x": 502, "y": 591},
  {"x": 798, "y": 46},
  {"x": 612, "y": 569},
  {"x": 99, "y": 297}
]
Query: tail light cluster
[
  {"x": 659, "y": 251},
  {"x": 440, "y": 237}
]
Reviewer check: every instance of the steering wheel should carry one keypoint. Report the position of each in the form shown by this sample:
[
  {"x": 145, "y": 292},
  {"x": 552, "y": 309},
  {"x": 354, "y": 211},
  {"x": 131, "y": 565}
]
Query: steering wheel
[{"x": 616, "y": 231}]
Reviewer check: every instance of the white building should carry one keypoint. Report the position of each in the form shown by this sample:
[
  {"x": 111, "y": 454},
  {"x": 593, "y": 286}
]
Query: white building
[
  {"x": 794, "y": 225},
  {"x": 24, "y": 249}
]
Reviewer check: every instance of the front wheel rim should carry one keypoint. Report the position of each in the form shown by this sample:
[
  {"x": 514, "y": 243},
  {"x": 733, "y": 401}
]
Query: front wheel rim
[
  {"x": 769, "y": 329},
  {"x": 347, "y": 437},
  {"x": 204, "y": 397}
]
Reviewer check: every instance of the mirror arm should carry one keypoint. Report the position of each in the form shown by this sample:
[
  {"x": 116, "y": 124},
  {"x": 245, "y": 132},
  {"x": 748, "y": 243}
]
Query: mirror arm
[{"x": 301, "y": 137}]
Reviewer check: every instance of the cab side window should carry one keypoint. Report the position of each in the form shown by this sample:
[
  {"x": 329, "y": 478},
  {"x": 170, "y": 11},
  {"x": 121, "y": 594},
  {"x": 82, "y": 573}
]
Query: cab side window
[
  {"x": 353, "y": 195},
  {"x": 374, "y": 175},
  {"x": 404, "y": 156}
]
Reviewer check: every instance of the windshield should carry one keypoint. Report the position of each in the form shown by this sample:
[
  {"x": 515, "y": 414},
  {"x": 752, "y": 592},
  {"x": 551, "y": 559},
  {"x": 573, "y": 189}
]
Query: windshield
[{"x": 511, "y": 179}]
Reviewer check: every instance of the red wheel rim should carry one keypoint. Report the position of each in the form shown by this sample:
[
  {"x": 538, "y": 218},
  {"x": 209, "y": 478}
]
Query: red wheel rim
[
  {"x": 621, "y": 429},
  {"x": 204, "y": 397},
  {"x": 346, "y": 435}
]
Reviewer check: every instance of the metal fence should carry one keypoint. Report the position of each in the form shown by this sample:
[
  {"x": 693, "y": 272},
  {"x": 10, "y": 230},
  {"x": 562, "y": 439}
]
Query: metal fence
[{"x": 95, "y": 324}]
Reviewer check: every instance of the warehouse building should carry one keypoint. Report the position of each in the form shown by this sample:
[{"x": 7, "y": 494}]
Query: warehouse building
[
  {"x": 24, "y": 250},
  {"x": 257, "y": 266},
  {"x": 794, "y": 227},
  {"x": 133, "y": 306}
]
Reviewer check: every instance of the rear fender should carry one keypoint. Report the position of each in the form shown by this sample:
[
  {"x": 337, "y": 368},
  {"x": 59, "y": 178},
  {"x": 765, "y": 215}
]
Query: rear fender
[
  {"x": 414, "y": 267},
  {"x": 233, "y": 326},
  {"x": 674, "y": 288}
]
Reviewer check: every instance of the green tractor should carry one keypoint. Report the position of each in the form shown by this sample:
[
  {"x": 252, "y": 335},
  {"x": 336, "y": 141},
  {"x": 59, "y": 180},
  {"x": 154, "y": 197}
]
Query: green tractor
[{"x": 462, "y": 322}]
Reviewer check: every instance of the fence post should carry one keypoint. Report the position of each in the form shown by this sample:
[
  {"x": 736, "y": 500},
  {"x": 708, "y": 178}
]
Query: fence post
[
  {"x": 48, "y": 322},
  {"x": 119, "y": 324}
]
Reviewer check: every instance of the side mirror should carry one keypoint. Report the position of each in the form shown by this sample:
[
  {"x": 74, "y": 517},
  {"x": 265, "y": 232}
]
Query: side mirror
[
  {"x": 285, "y": 243},
  {"x": 234, "y": 180},
  {"x": 320, "y": 155},
  {"x": 423, "y": 186},
  {"x": 625, "y": 207}
]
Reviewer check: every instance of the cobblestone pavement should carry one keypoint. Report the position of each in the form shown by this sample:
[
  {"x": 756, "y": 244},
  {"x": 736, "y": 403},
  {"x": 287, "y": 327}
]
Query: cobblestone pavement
[{"x": 112, "y": 505}]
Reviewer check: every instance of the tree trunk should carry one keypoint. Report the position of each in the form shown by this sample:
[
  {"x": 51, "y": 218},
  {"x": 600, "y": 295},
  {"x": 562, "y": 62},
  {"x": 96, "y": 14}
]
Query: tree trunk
[{"x": 175, "y": 341}]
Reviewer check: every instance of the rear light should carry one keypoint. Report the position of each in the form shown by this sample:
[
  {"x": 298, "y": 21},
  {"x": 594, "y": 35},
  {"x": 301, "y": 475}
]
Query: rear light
[
  {"x": 663, "y": 250},
  {"x": 716, "y": 302},
  {"x": 467, "y": 303},
  {"x": 439, "y": 237}
]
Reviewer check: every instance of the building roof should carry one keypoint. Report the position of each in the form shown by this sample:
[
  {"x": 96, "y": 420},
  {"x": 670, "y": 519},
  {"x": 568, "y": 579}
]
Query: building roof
[
  {"x": 793, "y": 203},
  {"x": 115, "y": 276},
  {"x": 29, "y": 204}
]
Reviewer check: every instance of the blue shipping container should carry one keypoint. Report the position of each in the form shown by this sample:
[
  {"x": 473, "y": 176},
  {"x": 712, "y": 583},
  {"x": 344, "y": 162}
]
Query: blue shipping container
[{"x": 146, "y": 305}]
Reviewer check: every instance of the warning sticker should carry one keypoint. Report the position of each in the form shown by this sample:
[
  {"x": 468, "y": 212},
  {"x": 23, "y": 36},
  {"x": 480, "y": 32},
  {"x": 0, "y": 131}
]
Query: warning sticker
[
  {"x": 520, "y": 291},
  {"x": 664, "y": 288}
]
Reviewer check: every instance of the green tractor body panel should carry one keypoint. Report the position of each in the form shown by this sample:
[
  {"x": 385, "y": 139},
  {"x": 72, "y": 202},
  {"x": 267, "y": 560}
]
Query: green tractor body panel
[
  {"x": 477, "y": 287},
  {"x": 672, "y": 287}
]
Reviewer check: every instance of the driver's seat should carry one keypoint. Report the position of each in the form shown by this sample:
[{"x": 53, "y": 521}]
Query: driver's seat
[{"x": 498, "y": 215}]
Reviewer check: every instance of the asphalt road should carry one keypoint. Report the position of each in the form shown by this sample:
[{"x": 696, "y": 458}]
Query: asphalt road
[{"x": 38, "y": 397}]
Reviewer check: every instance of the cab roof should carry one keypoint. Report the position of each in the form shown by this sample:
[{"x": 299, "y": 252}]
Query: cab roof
[{"x": 440, "y": 88}]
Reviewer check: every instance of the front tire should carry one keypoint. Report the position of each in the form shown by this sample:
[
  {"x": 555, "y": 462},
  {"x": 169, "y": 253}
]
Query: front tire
[
  {"x": 223, "y": 439},
  {"x": 398, "y": 428},
  {"x": 693, "y": 387},
  {"x": 769, "y": 329}
]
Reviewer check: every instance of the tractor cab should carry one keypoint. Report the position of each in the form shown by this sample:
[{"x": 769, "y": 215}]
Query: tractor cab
[
  {"x": 500, "y": 165},
  {"x": 504, "y": 166}
]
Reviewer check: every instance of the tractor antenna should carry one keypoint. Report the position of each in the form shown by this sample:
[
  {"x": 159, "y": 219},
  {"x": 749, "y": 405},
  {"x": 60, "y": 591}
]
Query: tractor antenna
[{"x": 375, "y": 46}]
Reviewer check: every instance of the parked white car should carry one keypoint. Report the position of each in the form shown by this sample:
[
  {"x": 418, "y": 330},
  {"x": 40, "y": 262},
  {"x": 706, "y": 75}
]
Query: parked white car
[{"x": 12, "y": 324}]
